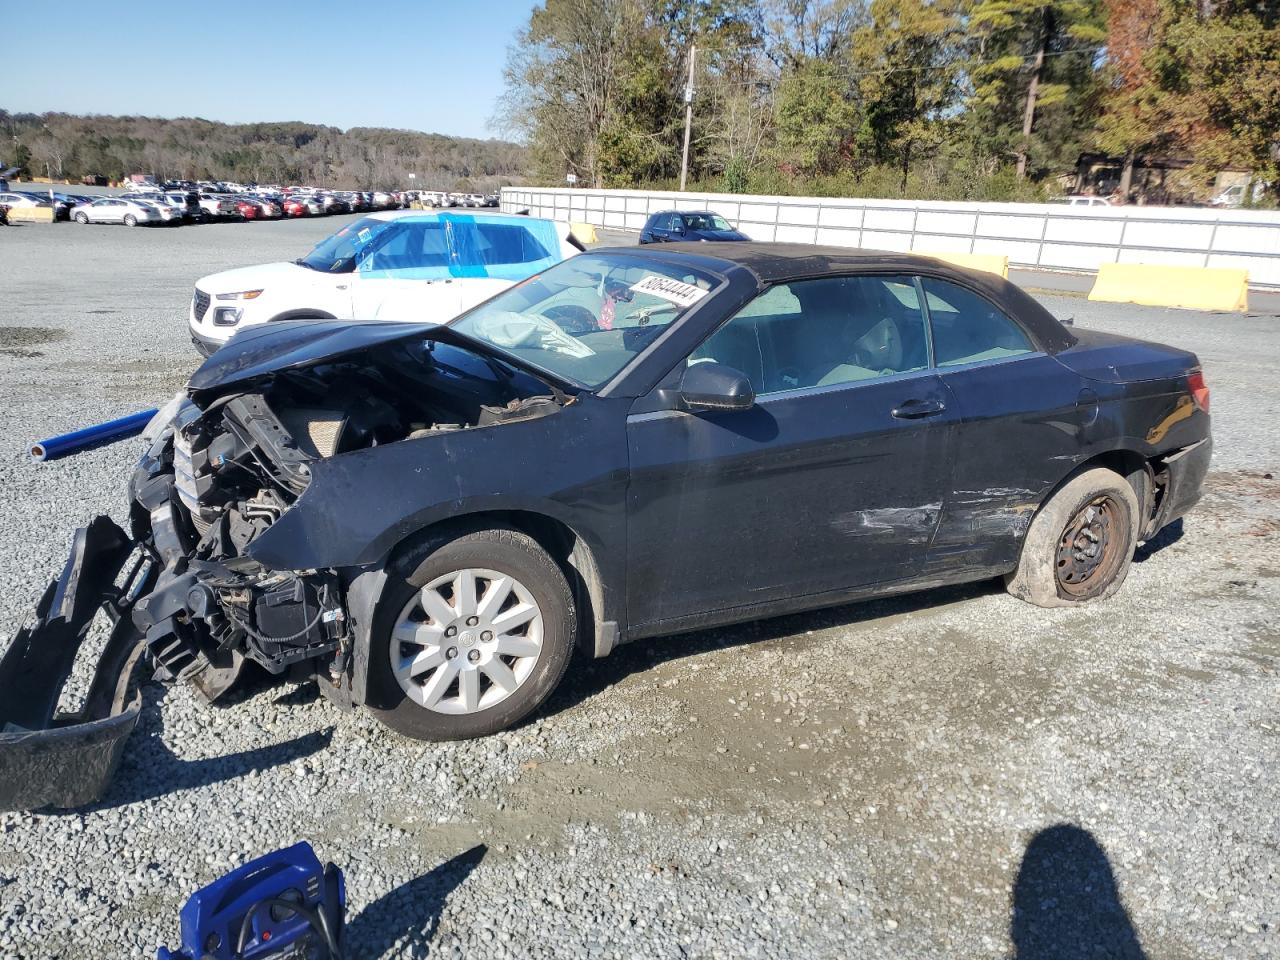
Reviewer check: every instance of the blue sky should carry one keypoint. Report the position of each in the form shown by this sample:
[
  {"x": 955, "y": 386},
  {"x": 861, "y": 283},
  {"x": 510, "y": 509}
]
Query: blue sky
[{"x": 427, "y": 65}]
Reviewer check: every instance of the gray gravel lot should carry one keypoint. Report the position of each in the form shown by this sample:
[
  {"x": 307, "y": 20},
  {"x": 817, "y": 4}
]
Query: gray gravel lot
[{"x": 949, "y": 774}]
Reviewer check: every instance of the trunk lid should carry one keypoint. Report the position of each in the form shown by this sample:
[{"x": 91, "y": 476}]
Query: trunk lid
[{"x": 1111, "y": 358}]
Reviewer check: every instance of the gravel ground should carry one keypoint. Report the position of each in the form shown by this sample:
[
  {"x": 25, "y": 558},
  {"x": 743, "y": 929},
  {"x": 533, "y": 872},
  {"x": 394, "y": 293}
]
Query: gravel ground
[{"x": 947, "y": 774}]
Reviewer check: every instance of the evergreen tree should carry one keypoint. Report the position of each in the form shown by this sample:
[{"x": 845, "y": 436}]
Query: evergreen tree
[{"x": 1029, "y": 57}]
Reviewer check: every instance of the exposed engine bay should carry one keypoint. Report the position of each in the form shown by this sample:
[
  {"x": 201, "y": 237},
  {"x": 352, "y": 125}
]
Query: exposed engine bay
[{"x": 232, "y": 463}]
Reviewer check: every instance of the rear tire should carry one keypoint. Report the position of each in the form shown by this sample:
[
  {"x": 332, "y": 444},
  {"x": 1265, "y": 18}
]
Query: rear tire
[
  {"x": 1080, "y": 544},
  {"x": 469, "y": 661},
  {"x": 130, "y": 220}
]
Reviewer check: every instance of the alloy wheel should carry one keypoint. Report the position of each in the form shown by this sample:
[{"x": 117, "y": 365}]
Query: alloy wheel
[{"x": 466, "y": 641}]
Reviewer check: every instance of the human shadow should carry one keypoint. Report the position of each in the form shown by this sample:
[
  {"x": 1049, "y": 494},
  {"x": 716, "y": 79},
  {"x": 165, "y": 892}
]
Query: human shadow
[
  {"x": 150, "y": 769},
  {"x": 408, "y": 916},
  {"x": 588, "y": 676},
  {"x": 1066, "y": 905},
  {"x": 1167, "y": 537}
]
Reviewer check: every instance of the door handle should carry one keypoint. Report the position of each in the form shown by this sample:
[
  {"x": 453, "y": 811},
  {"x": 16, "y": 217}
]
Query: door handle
[{"x": 919, "y": 409}]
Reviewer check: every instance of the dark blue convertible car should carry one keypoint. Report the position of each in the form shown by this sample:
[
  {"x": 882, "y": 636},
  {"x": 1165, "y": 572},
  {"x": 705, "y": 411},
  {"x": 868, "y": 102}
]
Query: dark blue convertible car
[{"x": 427, "y": 519}]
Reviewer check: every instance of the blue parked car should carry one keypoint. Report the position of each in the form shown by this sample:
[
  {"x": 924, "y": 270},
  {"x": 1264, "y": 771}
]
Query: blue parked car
[{"x": 673, "y": 225}]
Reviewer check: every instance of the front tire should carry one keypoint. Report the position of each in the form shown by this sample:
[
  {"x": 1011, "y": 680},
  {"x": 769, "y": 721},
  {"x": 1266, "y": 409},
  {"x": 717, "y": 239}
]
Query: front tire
[
  {"x": 472, "y": 634},
  {"x": 82, "y": 218},
  {"x": 1081, "y": 543}
]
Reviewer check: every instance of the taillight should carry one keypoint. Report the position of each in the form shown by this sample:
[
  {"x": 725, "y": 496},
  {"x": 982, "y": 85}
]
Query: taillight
[{"x": 1199, "y": 390}]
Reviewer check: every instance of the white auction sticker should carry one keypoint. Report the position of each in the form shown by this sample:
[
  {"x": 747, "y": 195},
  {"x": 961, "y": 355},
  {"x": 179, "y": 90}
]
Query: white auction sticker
[{"x": 685, "y": 294}]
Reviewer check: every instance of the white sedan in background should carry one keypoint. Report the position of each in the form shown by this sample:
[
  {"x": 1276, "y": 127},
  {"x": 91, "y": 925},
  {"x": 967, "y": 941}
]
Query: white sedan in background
[
  {"x": 124, "y": 210},
  {"x": 407, "y": 265},
  {"x": 169, "y": 211}
]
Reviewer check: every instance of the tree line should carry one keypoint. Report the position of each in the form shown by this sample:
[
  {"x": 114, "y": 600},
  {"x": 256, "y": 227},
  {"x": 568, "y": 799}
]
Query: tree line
[
  {"x": 64, "y": 146},
  {"x": 946, "y": 99}
]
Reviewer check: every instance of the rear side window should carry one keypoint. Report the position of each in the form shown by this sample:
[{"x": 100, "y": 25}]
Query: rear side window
[
  {"x": 495, "y": 243},
  {"x": 968, "y": 329},
  {"x": 827, "y": 332}
]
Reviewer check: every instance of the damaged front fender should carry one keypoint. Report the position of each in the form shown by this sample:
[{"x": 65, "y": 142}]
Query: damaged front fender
[{"x": 48, "y": 758}]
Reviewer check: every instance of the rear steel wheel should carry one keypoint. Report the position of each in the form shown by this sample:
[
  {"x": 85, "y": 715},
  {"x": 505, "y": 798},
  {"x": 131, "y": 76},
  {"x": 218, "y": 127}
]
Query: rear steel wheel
[
  {"x": 1080, "y": 543},
  {"x": 1088, "y": 551}
]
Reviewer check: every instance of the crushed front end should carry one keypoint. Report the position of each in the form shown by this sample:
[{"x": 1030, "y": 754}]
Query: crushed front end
[
  {"x": 184, "y": 590},
  {"x": 201, "y": 495}
]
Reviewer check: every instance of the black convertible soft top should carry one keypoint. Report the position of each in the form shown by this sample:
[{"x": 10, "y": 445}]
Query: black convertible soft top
[{"x": 772, "y": 263}]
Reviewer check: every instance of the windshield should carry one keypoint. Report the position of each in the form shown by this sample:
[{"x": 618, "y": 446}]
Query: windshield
[
  {"x": 588, "y": 317},
  {"x": 706, "y": 221}
]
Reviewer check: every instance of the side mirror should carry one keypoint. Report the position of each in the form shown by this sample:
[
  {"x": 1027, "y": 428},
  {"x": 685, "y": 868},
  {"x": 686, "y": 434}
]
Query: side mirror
[{"x": 713, "y": 386}]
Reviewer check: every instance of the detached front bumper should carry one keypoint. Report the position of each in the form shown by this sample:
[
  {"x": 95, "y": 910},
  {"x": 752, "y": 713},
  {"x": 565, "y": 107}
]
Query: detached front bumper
[{"x": 49, "y": 758}]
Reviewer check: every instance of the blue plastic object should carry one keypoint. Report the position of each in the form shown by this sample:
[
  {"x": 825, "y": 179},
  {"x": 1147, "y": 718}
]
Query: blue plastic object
[
  {"x": 245, "y": 915},
  {"x": 68, "y": 443},
  {"x": 454, "y": 245}
]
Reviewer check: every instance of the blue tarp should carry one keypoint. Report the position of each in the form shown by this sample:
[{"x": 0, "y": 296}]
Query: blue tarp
[{"x": 446, "y": 245}]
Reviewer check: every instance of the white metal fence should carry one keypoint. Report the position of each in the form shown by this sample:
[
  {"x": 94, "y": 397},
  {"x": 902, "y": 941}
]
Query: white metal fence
[{"x": 1053, "y": 236}]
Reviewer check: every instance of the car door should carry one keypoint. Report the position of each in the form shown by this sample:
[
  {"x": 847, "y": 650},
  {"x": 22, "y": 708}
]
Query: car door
[
  {"x": 1022, "y": 417},
  {"x": 404, "y": 275},
  {"x": 108, "y": 211},
  {"x": 835, "y": 479}
]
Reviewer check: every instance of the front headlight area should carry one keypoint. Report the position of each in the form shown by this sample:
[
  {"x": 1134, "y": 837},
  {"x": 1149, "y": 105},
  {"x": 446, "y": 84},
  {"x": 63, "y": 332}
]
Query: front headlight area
[
  {"x": 229, "y": 316},
  {"x": 164, "y": 418}
]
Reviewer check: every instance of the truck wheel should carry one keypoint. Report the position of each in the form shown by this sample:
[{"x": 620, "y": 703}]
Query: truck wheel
[
  {"x": 1080, "y": 544},
  {"x": 470, "y": 636}
]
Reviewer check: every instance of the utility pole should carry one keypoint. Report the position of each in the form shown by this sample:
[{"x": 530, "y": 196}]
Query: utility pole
[{"x": 688, "y": 118}]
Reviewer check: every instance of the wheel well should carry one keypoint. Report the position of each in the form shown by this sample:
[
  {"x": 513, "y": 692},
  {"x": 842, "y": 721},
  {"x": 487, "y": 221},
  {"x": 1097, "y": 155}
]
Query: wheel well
[
  {"x": 570, "y": 552},
  {"x": 1143, "y": 475}
]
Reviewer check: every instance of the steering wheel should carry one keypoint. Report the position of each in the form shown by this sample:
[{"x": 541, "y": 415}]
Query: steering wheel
[{"x": 573, "y": 318}]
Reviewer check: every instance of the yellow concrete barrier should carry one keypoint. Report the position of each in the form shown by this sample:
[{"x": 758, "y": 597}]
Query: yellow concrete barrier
[
  {"x": 585, "y": 232},
  {"x": 31, "y": 214},
  {"x": 1194, "y": 288},
  {"x": 987, "y": 262}
]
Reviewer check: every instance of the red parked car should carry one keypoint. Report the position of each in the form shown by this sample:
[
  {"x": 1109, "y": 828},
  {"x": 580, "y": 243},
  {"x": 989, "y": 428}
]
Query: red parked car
[
  {"x": 293, "y": 207},
  {"x": 249, "y": 209}
]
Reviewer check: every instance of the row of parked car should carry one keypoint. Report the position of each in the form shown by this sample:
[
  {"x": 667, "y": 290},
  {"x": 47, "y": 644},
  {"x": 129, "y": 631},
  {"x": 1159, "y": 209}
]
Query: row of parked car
[
  {"x": 440, "y": 198},
  {"x": 171, "y": 204}
]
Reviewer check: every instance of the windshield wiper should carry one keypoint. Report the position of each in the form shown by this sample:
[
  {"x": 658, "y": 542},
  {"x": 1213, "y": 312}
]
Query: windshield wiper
[{"x": 498, "y": 367}]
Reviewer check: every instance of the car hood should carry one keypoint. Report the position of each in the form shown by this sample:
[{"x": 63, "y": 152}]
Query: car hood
[
  {"x": 252, "y": 278},
  {"x": 718, "y": 235},
  {"x": 272, "y": 347}
]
